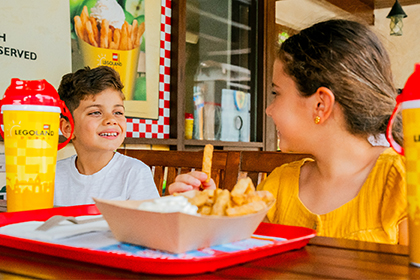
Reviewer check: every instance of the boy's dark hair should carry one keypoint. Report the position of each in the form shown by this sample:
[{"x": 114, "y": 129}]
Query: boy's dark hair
[{"x": 86, "y": 82}]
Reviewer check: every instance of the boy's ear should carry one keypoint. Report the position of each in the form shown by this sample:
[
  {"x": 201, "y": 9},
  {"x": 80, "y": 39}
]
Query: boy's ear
[
  {"x": 65, "y": 128},
  {"x": 324, "y": 103}
]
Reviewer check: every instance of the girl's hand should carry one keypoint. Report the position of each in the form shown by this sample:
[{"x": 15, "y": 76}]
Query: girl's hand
[{"x": 191, "y": 181}]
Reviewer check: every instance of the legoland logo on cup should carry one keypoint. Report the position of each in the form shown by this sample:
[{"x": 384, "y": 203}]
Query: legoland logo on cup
[
  {"x": 24, "y": 123},
  {"x": 25, "y": 132}
]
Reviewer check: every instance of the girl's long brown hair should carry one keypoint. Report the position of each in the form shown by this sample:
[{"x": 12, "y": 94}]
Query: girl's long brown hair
[{"x": 348, "y": 58}]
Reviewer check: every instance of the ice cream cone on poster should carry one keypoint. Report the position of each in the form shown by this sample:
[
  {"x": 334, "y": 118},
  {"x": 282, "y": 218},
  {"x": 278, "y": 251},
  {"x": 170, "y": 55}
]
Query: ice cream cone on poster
[{"x": 106, "y": 39}]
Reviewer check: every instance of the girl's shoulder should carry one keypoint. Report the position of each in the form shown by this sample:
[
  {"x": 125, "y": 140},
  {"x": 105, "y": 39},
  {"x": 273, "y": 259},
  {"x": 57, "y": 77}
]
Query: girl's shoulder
[
  {"x": 290, "y": 167},
  {"x": 287, "y": 173},
  {"x": 391, "y": 163},
  {"x": 391, "y": 155},
  {"x": 387, "y": 180}
]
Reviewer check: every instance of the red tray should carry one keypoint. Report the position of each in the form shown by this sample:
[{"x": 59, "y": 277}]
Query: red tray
[{"x": 297, "y": 237}]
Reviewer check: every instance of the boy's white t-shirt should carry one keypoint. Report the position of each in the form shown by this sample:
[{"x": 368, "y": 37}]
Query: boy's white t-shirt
[{"x": 122, "y": 178}]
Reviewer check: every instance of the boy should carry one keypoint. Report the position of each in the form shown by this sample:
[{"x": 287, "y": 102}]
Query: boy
[{"x": 95, "y": 100}]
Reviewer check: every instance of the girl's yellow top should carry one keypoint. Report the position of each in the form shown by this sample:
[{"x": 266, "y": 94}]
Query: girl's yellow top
[{"x": 373, "y": 215}]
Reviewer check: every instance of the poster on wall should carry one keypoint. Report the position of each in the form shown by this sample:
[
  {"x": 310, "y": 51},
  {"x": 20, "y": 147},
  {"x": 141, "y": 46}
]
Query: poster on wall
[
  {"x": 119, "y": 34},
  {"x": 34, "y": 41},
  {"x": 38, "y": 40}
]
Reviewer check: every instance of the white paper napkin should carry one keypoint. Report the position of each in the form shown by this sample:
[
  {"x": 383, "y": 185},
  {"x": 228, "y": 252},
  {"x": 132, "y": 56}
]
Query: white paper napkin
[{"x": 63, "y": 229}]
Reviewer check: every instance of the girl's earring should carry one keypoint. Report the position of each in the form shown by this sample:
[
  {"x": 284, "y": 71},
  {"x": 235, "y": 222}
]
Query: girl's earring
[{"x": 317, "y": 119}]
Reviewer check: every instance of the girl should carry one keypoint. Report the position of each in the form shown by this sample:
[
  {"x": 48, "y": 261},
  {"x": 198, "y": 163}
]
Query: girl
[{"x": 333, "y": 97}]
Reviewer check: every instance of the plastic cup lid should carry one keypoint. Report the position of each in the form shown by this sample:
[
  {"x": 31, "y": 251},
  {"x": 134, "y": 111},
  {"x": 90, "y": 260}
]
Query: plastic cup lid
[
  {"x": 411, "y": 89},
  {"x": 31, "y": 92}
]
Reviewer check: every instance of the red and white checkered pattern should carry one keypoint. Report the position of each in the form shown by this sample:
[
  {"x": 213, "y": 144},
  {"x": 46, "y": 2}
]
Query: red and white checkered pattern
[{"x": 145, "y": 128}]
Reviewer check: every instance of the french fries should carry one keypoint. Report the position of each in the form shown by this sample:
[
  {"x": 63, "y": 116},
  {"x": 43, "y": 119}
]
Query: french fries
[
  {"x": 221, "y": 203},
  {"x": 106, "y": 36},
  {"x": 207, "y": 160},
  {"x": 242, "y": 200}
]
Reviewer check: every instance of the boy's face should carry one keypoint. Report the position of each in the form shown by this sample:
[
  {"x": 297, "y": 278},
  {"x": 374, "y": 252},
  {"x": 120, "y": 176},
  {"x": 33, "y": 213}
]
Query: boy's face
[{"x": 99, "y": 122}]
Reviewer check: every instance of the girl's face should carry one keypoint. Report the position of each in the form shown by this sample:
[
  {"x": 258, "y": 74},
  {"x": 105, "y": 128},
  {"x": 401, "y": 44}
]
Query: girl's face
[
  {"x": 100, "y": 123},
  {"x": 290, "y": 112}
]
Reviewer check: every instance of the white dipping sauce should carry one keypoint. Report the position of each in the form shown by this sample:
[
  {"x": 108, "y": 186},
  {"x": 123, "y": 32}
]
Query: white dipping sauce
[{"x": 169, "y": 204}]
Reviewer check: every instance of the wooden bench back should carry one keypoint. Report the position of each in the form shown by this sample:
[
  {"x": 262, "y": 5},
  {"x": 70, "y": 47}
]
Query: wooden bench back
[
  {"x": 225, "y": 165},
  {"x": 259, "y": 164}
]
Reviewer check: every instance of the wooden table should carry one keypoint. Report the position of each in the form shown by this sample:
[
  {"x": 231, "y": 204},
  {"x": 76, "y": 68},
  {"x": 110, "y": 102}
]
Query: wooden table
[{"x": 321, "y": 258}]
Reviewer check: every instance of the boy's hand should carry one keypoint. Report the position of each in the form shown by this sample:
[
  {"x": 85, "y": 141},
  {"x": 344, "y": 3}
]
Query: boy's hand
[{"x": 191, "y": 181}]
